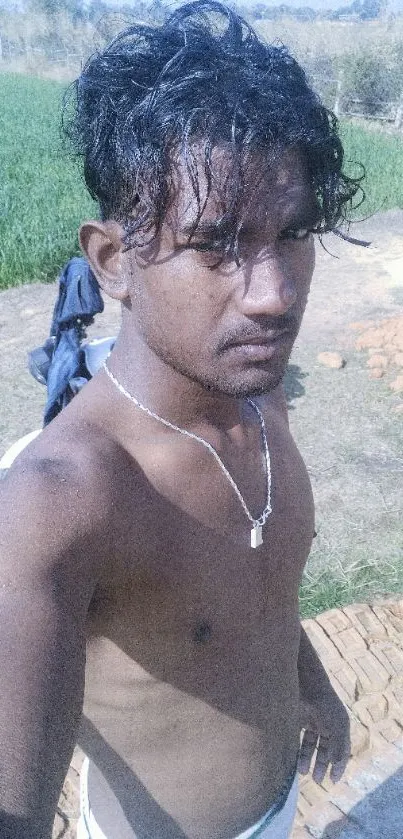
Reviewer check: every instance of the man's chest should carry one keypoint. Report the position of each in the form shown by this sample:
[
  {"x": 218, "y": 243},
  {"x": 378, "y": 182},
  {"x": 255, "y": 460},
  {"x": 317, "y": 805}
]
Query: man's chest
[
  {"x": 189, "y": 500},
  {"x": 183, "y": 576}
]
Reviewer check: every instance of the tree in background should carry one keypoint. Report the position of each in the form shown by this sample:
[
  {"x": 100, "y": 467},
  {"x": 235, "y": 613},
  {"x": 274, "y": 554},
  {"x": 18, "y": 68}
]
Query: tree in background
[
  {"x": 74, "y": 9},
  {"x": 370, "y": 81}
]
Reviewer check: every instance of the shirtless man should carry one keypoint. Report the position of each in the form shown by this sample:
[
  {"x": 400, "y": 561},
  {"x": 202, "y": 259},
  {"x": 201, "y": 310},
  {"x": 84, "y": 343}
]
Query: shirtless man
[{"x": 127, "y": 554}]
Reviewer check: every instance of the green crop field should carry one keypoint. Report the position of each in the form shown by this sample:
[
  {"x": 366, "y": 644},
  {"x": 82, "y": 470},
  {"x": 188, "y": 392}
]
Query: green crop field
[
  {"x": 382, "y": 156},
  {"x": 43, "y": 200}
]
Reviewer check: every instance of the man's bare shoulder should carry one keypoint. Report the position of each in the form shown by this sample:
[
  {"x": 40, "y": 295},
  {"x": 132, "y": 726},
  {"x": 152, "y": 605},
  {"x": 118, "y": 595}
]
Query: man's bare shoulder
[
  {"x": 56, "y": 499},
  {"x": 64, "y": 458}
]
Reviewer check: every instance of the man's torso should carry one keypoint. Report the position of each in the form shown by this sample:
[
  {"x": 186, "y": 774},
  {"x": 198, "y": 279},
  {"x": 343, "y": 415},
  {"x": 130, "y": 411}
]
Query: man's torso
[{"x": 191, "y": 700}]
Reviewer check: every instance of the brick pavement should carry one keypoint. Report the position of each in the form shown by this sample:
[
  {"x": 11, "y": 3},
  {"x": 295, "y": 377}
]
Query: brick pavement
[{"x": 361, "y": 647}]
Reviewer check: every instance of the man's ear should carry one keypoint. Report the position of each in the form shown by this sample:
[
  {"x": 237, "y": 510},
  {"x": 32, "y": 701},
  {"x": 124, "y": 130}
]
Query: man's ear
[{"x": 101, "y": 243}]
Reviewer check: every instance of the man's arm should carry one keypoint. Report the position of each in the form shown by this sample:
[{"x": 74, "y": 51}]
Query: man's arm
[
  {"x": 323, "y": 717},
  {"x": 45, "y": 588}
]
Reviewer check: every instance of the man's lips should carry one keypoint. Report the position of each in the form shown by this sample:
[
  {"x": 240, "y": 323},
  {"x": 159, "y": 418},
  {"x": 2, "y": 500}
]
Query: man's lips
[
  {"x": 261, "y": 348},
  {"x": 262, "y": 340}
]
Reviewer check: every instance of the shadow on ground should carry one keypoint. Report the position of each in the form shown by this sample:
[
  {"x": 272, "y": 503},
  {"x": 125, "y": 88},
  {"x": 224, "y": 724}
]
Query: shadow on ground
[
  {"x": 292, "y": 382},
  {"x": 378, "y": 814}
]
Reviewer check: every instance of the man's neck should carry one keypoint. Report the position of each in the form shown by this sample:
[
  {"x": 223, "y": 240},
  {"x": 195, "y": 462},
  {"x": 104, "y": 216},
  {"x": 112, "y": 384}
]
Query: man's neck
[{"x": 172, "y": 395}]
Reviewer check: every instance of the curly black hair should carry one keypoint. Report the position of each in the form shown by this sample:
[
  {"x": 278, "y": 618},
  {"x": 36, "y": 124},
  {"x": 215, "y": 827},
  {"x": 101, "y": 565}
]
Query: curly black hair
[{"x": 201, "y": 80}]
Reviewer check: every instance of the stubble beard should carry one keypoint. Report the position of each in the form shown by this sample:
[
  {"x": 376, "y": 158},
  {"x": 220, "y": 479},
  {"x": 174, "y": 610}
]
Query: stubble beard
[{"x": 223, "y": 384}]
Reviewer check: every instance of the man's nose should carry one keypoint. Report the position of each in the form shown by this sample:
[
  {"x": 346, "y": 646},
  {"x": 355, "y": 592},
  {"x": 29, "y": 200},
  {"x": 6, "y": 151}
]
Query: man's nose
[{"x": 268, "y": 289}]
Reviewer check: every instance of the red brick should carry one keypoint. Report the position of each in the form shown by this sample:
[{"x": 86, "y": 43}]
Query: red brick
[
  {"x": 360, "y": 738},
  {"x": 371, "y": 674},
  {"x": 321, "y": 820},
  {"x": 325, "y": 648},
  {"x": 398, "y": 743},
  {"x": 349, "y": 643},
  {"x": 341, "y": 693},
  {"x": 77, "y": 759},
  {"x": 389, "y": 730},
  {"x": 333, "y": 621},
  {"x": 395, "y": 655},
  {"x": 69, "y": 801},
  {"x": 377, "y": 649},
  {"x": 361, "y": 711},
  {"x": 366, "y": 779},
  {"x": 300, "y": 833},
  {"x": 394, "y": 697},
  {"x": 394, "y": 614},
  {"x": 383, "y": 615},
  {"x": 313, "y": 794},
  {"x": 396, "y": 689},
  {"x": 371, "y": 708},
  {"x": 327, "y": 784},
  {"x": 304, "y": 808},
  {"x": 356, "y": 766},
  {"x": 347, "y": 679},
  {"x": 388, "y": 759},
  {"x": 304, "y": 781},
  {"x": 378, "y": 707},
  {"x": 364, "y": 619},
  {"x": 346, "y": 797}
]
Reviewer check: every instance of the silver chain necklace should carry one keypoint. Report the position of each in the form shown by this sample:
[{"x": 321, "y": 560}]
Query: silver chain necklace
[{"x": 256, "y": 537}]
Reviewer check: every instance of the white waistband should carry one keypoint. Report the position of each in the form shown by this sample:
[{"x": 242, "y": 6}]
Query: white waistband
[{"x": 277, "y": 827}]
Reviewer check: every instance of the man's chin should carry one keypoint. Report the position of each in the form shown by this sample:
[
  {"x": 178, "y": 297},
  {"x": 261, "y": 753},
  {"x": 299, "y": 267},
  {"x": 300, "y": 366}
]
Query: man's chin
[
  {"x": 236, "y": 381},
  {"x": 257, "y": 389},
  {"x": 256, "y": 379},
  {"x": 254, "y": 384}
]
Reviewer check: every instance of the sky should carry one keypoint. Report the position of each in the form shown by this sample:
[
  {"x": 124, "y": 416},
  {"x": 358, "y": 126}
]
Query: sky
[{"x": 393, "y": 5}]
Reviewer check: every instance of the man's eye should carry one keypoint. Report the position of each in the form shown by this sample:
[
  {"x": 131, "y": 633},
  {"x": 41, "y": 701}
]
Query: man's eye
[
  {"x": 296, "y": 233},
  {"x": 210, "y": 254},
  {"x": 206, "y": 247}
]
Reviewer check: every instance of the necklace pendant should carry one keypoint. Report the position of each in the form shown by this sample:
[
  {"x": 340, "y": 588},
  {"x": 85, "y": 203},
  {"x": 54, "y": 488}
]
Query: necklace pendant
[{"x": 256, "y": 537}]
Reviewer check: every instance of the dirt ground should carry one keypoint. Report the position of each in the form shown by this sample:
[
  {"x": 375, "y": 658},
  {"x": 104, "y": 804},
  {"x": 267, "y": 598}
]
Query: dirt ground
[{"x": 348, "y": 425}]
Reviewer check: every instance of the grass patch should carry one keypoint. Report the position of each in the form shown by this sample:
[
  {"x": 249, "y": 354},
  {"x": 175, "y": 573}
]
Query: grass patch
[
  {"x": 382, "y": 156},
  {"x": 358, "y": 583},
  {"x": 355, "y": 467},
  {"x": 43, "y": 198}
]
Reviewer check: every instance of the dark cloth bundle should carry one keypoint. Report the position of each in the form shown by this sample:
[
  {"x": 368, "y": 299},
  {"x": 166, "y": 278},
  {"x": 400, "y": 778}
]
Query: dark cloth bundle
[{"x": 60, "y": 363}]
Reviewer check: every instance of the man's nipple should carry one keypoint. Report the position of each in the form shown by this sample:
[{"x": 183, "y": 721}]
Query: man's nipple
[{"x": 202, "y": 633}]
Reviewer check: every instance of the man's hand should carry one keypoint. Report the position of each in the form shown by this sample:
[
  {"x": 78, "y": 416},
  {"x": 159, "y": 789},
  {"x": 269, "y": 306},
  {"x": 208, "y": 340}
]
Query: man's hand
[
  {"x": 326, "y": 727},
  {"x": 323, "y": 718}
]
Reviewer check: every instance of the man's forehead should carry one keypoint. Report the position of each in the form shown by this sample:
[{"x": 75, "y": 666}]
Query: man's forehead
[{"x": 280, "y": 189}]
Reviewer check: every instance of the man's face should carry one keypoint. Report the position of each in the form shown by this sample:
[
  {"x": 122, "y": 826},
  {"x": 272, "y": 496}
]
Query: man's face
[{"x": 228, "y": 327}]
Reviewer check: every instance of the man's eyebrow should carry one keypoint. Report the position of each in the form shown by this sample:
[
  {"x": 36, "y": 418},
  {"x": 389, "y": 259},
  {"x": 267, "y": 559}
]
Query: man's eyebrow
[
  {"x": 203, "y": 228},
  {"x": 307, "y": 215}
]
